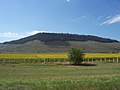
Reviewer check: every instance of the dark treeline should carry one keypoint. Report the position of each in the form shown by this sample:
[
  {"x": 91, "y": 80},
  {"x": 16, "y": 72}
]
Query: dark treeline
[{"x": 48, "y": 37}]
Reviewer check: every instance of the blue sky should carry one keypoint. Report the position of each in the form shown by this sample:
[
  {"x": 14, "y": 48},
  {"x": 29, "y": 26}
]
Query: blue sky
[{"x": 21, "y": 18}]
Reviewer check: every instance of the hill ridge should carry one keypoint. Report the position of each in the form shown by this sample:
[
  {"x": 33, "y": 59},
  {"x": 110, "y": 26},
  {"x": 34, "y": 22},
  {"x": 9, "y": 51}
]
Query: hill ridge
[{"x": 61, "y": 37}]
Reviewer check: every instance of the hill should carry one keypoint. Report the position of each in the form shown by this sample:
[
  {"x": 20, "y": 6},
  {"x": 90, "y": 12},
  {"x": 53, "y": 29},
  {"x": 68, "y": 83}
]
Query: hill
[
  {"x": 61, "y": 37},
  {"x": 60, "y": 43}
]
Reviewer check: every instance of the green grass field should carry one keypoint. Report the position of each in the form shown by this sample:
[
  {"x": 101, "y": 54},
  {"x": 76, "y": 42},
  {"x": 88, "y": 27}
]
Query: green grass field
[{"x": 104, "y": 76}]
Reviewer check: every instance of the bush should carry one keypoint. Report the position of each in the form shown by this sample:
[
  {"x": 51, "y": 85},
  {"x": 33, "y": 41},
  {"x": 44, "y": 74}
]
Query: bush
[{"x": 76, "y": 56}]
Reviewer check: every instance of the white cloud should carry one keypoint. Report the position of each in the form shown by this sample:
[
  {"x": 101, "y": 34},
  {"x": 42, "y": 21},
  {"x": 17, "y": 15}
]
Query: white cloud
[
  {"x": 82, "y": 17},
  {"x": 9, "y": 35},
  {"x": 34, "y": 32},
  {"x": 68, "y": 0},
  {"x": 108, "y": 17},
  {"x": 112, "y": 20},
  {"x": 21, "y": 35},
  {"x": 17, "y": 35}
]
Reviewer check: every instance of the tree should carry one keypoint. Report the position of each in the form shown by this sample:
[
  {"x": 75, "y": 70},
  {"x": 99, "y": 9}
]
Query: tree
[{"x": 76, "y": 56}]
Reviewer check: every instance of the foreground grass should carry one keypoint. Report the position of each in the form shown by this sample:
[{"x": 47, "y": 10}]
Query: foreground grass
[{"x": 104, "y": 76}]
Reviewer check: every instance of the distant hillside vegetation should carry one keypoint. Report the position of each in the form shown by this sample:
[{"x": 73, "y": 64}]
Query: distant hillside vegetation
[
  {"x": 60, "y": 38},
  {"x": 60, "y": 43}
]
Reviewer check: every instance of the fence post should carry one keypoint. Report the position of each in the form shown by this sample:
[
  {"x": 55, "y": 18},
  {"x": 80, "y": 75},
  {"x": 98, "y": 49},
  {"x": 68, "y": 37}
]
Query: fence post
[
  {"x": 88, "y": 59},
  {"x": 101, "y": 59},
  {"x": 92, "y": 59},
  {"x": 105, "y": 59},
  {"x": 117, "y": 60},
  {"x": 44, "y": 61},
  {"x": 109, "y": 59},
  {"x": 113, "y": 59}
]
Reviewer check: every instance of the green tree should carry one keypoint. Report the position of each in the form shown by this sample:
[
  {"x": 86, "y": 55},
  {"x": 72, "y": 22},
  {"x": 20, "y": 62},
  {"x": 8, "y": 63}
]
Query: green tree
[{"x": 76, "y": 56}]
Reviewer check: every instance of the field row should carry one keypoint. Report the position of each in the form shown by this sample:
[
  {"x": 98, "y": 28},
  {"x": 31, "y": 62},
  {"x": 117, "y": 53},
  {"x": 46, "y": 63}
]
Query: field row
[
  {"x": 46, "y": 58},
  {"x": 57, "y": 55}
]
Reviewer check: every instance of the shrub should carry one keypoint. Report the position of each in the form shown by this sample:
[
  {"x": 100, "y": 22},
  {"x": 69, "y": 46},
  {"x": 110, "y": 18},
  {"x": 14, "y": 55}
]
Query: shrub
[{"x": 76, "y": 56}]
